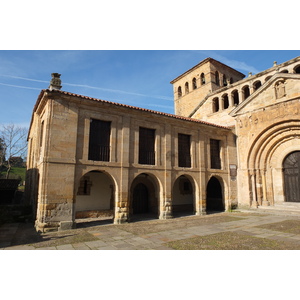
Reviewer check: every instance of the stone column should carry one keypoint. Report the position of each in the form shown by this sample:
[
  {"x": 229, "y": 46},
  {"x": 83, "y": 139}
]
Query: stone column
[
  {"x": 166, "y": 201},
  {"x": 122, "y": 203},
  {"x": 254, "y": 203},
  {"x": 264, "y": 185}
]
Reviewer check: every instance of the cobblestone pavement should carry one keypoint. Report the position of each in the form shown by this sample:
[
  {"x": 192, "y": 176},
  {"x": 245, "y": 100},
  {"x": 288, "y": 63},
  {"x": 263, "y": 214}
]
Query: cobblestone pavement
[{"x": 103, "y": 235}]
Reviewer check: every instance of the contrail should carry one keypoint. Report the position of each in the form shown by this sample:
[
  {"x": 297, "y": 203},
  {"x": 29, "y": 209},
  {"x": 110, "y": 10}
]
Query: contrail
[
  {"x": 20, "y": 86},
  {"x": 92, "y": 87}
]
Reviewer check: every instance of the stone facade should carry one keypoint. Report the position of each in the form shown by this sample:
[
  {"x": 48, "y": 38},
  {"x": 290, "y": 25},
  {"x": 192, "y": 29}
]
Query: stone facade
[{"x": 235, "y": 148}]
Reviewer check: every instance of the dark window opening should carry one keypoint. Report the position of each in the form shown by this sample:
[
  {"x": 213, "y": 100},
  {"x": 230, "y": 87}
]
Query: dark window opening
[
  {"x": 297, "y": 70},
  {"x": 217, "y": 78},
  {"x": 215, "y": 157},
  {"x": 99, "y": 142},
  {"x": 256, "y": 85},
  {"x": 179, "y": 92},
  {"x": 224, "y": 80},
  {"x": 147, "y": 146},
  {"x": 202, "y": 78},
  {"x": 236, "y": 100},
  {"x": 186, "y": 87},
  {"x": 225, "y": 101},
  {"x": 194, "y": 83},
  {"x": 246, "y": 91},
  {"x": 216, "y": 105},
  {"x": 184, "y": 150}
]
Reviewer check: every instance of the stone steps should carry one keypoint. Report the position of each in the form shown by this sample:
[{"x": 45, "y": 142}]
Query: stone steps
[{"x": 286, "y": 209}]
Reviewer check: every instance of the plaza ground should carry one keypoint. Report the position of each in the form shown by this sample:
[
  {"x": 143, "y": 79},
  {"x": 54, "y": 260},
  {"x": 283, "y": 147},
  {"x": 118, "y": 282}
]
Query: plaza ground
[{"x": 241, "y": 230}]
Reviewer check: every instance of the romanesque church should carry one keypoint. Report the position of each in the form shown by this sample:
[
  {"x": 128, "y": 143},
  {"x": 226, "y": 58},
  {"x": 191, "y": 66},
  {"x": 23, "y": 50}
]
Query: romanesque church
[{"x": 233, "y": 142}]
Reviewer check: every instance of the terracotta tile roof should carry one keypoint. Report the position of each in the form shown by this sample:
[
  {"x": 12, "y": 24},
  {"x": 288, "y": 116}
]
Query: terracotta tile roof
[{"x": 131, "y": 107}]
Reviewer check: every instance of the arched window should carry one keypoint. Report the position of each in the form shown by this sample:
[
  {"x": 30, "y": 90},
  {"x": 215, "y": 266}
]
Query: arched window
[
  {"x": 267, "y": 78},
  {"x": 284, "y": 71},
  {"x": 179, "y": 92},
  {"x": 194, "y": 83},
  {"x": 231, "y": 80},
  {"x": 186, "y": 87},
  {"x": 216, "y": 106},
  {"x": 246, "y": 92},
  {"x": 297, "y": 70},
  {"x": 235, "y": 96},
  {"x": 256, "y": 85},
  {"x": 217, "y": 78},
  {"x": 202, "y": 78},
  {"x": 225, "y": 101},
  {"x": 224, "y": 80}
]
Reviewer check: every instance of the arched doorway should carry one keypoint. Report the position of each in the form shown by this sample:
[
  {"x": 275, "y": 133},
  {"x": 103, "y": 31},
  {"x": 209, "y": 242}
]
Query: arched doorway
[
  {"x": 214, "y": 195},
  {"x": 183, "y": 196},
  {"x": 291, "y": 171},
  {"x": 140, "y": 201},
  {"x": 95, "y": 196},
  {"x": 144, "y": 196}
]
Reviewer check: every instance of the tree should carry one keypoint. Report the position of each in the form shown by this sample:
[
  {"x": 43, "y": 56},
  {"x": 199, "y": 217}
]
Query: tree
[
  {"x": 2, "y": 153},
  {"x": 14, "y": 143}
]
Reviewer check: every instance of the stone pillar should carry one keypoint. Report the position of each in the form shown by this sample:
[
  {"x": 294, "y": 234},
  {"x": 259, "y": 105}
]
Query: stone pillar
[
  {"x": 121, "y": 214},
  {"x": 165, "y": 210},
  {"x": 254, "y": 203},
  {"x": 264, "y": 185}
]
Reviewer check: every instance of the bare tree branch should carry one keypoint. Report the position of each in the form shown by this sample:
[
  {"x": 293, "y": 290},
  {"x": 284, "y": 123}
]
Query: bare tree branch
[{"x": 14, "y": 142}]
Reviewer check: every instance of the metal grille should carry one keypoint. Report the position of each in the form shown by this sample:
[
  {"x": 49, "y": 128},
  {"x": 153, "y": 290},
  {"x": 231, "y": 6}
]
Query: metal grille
[
  {"x": 215, "y": 159},
  {"x": 184, "y": 150},
  {"x": 99, "y": 143},
  {"x": 147, "y": 146}
]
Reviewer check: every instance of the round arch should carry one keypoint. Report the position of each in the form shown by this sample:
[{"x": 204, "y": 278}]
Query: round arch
[
  {"x": 145, "y": 190},
  {"x": 265, "y": 161},
  {"x": 184, "y": 191},
  {"x": 215, "y": 195},
  {"x": 95, "y": 195}
]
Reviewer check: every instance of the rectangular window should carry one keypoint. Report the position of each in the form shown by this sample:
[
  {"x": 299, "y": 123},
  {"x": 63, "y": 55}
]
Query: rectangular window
[
  {"x": 146, "y": 146},
  {"x": 99, "y": 141},
  {"x": 42, "y": 134},
  {"x": 215, "y": 154},
  {"x": 184, "y": 150}
]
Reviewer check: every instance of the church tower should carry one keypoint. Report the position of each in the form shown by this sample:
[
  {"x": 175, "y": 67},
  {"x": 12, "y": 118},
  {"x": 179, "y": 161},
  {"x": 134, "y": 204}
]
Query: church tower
[{"x": 194, "y": 85}]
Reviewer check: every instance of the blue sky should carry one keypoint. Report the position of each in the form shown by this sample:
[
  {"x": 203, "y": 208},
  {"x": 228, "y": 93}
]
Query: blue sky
[{"x": 140, "y": 78}]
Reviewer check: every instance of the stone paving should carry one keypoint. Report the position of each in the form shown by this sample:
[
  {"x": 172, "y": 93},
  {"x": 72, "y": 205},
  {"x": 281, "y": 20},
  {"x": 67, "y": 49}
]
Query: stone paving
[{"x": 17, "y": 236}]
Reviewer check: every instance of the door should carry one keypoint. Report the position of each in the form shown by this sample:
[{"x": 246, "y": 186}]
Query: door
[
  {"x": 140, "y": 199},
  {"x": 291, "y": 170}
]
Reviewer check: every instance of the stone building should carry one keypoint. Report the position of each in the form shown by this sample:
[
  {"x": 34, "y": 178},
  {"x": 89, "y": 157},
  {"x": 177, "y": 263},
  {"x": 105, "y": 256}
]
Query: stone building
[{"x": 233, "y": 141}]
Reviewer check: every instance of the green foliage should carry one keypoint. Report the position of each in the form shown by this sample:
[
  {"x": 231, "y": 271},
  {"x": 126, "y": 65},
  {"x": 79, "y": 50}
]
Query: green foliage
[{"x": 15, "y": 173}]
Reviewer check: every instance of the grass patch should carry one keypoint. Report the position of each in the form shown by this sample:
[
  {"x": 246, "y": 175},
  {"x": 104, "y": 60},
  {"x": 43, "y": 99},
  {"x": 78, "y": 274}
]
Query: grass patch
[
  {"x": 231, "y": 241},
  {"x": 145, "y": 227},
  {"x": 287, "y": 226}
]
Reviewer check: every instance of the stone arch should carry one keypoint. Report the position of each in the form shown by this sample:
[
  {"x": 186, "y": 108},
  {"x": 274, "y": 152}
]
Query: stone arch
[
  {"x": 215, "y": 195},
  {"x": 194, "y": 82},
  {"x": 265, "y": 160},
  {"x": 202, "y": 78},
  {"x": 246, "y": 92},
  {"x": 95, "y": 195},
  {"x": 144, "y": 195},
  {"x": 225, "y": 101},
  {"x": 186, "y": 88},
  {"x": 184, "y": 195},
  {"x": 256, "y": 85},
  {"x": 297, "y": 69},
  {"x": 179, "y": 92},
  {"x": 235, "y": 96},
  {"x": 215, "y": 105}
]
